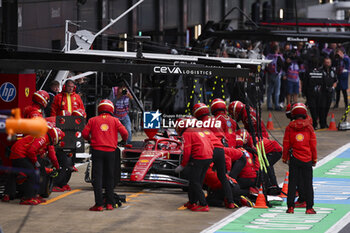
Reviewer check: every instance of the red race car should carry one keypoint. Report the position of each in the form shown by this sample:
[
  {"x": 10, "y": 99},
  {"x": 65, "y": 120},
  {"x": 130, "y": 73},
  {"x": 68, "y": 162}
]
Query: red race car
[{"x": 154, "y": 163}]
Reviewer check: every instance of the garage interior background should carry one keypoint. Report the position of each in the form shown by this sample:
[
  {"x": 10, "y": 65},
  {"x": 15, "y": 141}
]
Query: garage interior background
[{"x": 36, "y": 24}]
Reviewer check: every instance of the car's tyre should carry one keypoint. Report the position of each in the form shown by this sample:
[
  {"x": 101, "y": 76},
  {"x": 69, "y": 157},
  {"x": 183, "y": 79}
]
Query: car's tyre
[{"x": 46, "y": 184}]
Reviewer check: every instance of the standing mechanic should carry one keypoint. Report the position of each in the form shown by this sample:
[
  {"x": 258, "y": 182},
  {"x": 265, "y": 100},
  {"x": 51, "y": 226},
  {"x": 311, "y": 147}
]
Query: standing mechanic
[
  {"x": 102, "y": 132},
  {"x": 67, "y": 99},
  {"x": 64, "y": 104},
  {"x": 299, "y": 151},
  {"x": 198, "y": 154},
  {"x": 201, "y": 112}
]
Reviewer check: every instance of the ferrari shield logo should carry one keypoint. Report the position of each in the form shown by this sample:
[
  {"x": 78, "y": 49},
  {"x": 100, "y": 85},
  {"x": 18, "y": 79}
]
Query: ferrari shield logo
[{"x": 26, "y": 91}]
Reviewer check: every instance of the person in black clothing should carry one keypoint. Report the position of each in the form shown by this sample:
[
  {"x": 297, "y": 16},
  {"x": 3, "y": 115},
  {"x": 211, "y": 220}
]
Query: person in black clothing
[
  {"x": 329, "y": 79},
  {"x": 341, "y": 63},
  {"x": 54, "y": 89},
  {"x": 313, "y": 84},
  {"x": 320, "y": 83}
]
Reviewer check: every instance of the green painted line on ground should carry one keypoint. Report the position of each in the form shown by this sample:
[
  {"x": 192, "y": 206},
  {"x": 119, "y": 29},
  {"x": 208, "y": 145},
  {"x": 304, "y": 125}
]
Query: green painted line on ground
[
  {"x": 326, "y": 169},
  {"x": 276, "y": 220}
]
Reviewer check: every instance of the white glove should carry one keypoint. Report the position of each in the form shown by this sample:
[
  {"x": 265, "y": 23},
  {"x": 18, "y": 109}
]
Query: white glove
[
  {"x": 37, "y": 164},
  {"x": 179, "y": 168}
]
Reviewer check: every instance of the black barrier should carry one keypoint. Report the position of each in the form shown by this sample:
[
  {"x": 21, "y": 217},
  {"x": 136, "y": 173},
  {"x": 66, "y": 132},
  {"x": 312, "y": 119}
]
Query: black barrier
[{"x": 72, "y": 126}]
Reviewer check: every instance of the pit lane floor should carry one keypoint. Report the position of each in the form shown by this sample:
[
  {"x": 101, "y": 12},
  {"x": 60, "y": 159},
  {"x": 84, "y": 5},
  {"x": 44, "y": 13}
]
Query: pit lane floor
[{"x": 146, "y": 210}]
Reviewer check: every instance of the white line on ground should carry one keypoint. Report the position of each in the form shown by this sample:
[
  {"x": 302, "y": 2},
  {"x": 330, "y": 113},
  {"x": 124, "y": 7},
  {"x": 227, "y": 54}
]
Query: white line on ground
[
  {"x": 332, "y": 155},
  {"x": 226, "y": 220},
  {"x": 340, "y": 224}
]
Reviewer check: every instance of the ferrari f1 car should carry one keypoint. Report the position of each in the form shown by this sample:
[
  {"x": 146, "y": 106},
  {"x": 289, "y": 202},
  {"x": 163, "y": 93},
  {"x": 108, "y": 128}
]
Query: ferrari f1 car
[{"x": 154, "y": 162}]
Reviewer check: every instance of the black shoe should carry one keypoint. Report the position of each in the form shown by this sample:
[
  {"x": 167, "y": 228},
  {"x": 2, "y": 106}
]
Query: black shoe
[
  {"x": 335, "y": 106},
  {"x": 278, "y": 109},
  {"x": 269, "y": 109}
]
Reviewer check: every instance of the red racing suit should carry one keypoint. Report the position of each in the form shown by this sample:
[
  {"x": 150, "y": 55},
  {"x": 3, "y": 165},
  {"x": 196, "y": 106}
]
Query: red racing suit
[
  {"x": 218, "y": 132},
  {"x": 269, "y": 145},
  {"x": 233, "y": 153},
  {"x": 214, "y": 140},
  {"x": 251, "y": 167},
  {"x": 103, "y": 131},
  {"x": 31, "y": 111},
  {"x": 197, "y": 145},
  {"x": 301, "y": 138},
  {"x": 51, "y": 121},
  {"x": 66, "y": 101},
  {"x": 30, "y": 147},
  {"x": 211, "y": 178},
  {"x": 228, "y": 125}
]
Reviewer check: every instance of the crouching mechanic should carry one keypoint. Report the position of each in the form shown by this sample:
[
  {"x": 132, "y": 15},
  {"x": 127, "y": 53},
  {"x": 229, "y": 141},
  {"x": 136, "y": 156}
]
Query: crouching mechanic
[
  {"x": 299, "y": 151},
  {"x": 197, "y": 154},
  {"x": 102, "y": 132},
  {"x": 237, "y": 111},
  {"x": 273, "y": 153},
  {"x": 24, "y": 156},
  {"x": 228, "y": 125},
  {"x": 247, "y": 177},
  {"x": 216, "y": 195}
]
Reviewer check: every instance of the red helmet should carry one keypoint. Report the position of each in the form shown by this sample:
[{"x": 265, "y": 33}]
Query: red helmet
[
  {"x": 239, "y": 141},
  {"x": 200, "y": 110},
  {"x": 41, "y": 97},
  {"x": 217, "y": 105},
  {"x": 105, "y": 106},
  {"x": 56, "y": 135},
  {"x": 64, "y": 113},
  {"x": 288, "y": 111},
  {"x": 299, "y": 109},
  {"x": 79, "y": 112},
  {"x": 183, "y": 123},
  {"x": 235, "y": 109},
  {"x": 244, "y": 134}
]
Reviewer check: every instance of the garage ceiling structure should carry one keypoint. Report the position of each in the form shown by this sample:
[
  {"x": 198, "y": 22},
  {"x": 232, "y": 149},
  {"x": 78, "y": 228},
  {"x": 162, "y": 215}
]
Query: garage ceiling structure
[{"x": 105, "y": 61}]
